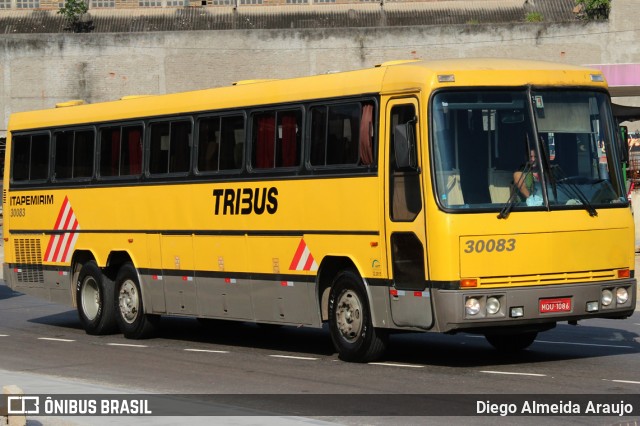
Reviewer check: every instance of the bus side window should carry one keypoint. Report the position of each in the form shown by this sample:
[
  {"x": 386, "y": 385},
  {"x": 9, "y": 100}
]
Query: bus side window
[
  {"x": 30, "y": 157},
  {"x": 342, "y": 134},
  {"x": 277, "y": 139},
  {"x": 232, "y": 142},
  {"x": 120, "y": 151},
  {"x": 170, "y": 147},
  {"x": 74, "y": 154},
  {"x": 208, "y": 144}
]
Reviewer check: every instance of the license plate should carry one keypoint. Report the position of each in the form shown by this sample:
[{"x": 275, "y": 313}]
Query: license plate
[{"x": 561, "y": 304}]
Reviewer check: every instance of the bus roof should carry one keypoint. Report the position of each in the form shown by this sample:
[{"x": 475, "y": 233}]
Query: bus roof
[{"x": 388, "y": 77}]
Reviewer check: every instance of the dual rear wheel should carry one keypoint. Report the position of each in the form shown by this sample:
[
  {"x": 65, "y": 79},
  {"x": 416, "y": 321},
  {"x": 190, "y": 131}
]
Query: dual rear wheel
[{"x": 105, "y": 306}]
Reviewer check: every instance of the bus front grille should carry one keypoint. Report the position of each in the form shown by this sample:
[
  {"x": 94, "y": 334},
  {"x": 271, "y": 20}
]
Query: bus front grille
[{"x": 548, "y": 279}]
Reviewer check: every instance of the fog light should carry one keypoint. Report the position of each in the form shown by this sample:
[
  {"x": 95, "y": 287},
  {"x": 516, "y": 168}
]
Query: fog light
[
  {"x": 472, "y": 306},
  {"x": 493, "y": 305},
  {"x": 622, "y": 295},
  {"x": 607, "y": 297},
  {"x": 592, "y": 306},
  {"x": 517, "y": 312}
]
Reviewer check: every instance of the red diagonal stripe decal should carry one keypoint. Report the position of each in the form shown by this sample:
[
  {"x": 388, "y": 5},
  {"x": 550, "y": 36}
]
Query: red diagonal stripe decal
[{"x": 298, "y": 255}]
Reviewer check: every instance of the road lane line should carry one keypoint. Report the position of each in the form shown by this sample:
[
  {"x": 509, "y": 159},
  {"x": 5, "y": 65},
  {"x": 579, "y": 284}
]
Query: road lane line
[
  {"x": 55, "y": 339},
  {"x": 391, "y": 364},
  {"x": 306, "y": 358},
  {"x": 4, "y": 335},
  {"x": 129, "y": 345},
  {"x": 584, "y": 344},
  {"x": 623, "y": 381},
  {"x": 513, "y": 373},
  {"x": 207, "y": 350}
]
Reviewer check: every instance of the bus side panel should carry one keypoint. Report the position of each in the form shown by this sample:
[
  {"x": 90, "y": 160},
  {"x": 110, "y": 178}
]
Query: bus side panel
[
  {"x": 285, "y": 298},
  {"x": 222, "y": 293},
  {"x": 178, "y": 274},
  {"x": 152, "y": 282}
]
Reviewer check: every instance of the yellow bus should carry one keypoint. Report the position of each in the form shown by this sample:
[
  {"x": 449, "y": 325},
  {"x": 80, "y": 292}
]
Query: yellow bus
[{"x": 474, "y": 195}]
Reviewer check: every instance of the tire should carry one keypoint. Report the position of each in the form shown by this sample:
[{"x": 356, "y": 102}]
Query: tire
[
  {"x": 512, "y": 343},
  {"x": 132, "y": 320},
  {"x": 95, "y": 294},
  {"x": 350, "y": 323}
]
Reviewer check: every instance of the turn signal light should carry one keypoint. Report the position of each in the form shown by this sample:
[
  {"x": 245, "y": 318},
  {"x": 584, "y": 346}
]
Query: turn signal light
[
  {"x": 624, "y": 273},
  {"x": 468, "y": 282}
]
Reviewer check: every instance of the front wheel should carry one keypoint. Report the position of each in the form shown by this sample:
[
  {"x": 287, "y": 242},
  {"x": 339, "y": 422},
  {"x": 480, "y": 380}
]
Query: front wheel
[
  {"x": 132, "y": 320},
  {"x": 511, "y": 343},
  {"x": 94, "y": 298},
  {"x": 350, "y": 322}
]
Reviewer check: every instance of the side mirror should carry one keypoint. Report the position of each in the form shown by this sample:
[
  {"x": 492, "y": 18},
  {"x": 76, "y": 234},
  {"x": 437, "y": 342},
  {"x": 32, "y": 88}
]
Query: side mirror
[
  {"x": 624, "y": 134},
  {"x": 405, "y": 145}
]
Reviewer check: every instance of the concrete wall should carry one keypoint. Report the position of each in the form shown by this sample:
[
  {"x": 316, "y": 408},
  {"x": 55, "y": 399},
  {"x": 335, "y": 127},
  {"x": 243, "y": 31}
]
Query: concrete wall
[{"x": 39, "y": 70}]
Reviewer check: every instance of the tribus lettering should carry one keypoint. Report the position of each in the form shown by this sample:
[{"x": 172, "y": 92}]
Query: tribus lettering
[{"x": 245, "y": 200}]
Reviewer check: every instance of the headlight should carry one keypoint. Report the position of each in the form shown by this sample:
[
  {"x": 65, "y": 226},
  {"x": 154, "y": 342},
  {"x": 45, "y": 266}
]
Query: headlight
[
  {"x": 622, "y": 295},
  {"x": 607, "y": 297},
  {"x": 472, "y": 306},
  {"x": 493, "y": 305}
]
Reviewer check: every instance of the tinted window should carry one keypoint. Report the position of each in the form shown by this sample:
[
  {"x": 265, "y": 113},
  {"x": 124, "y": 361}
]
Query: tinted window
[
  {"x": 74, "y": 154},
  {"x": 30, "y": 157},
  {"x": 121, "y": 150},
  {"x": 220, "y": 143},
  {"x": 170, "y": 147},
  {"x": 276, "y": 139},
  {"x": 342, "y": 134}
]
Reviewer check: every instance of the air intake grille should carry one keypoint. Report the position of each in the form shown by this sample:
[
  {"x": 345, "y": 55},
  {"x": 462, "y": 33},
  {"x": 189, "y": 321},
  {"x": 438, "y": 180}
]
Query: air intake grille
[{"x": 29, "y": 260}]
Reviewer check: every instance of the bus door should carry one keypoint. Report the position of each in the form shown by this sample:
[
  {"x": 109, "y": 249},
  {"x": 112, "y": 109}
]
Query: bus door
[{"x": 410, "y": 298}]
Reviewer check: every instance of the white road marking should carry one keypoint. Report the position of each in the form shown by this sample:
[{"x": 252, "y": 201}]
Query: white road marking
[
  {"x": 513, "y": 373},
  {"x": 53, "y": 339},
  {"x": 623, "y": 381},
  {"x": 207, "y": 350},
  {"x": 127, "y": 345},
  {"x": 584, "y": 344},
  {"x": 391, "y": 364},
  {"x": 4, "y": 335},
  {"x": 306, "y": 358}
]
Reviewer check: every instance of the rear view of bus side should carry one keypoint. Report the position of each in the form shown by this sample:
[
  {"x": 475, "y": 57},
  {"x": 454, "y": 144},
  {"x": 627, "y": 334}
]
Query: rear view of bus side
[{"x": 482, "y": 196}]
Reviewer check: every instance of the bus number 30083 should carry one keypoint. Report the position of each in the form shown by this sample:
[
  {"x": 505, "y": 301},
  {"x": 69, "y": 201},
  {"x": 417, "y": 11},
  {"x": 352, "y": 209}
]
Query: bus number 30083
[{"x": 479, "y": 246}]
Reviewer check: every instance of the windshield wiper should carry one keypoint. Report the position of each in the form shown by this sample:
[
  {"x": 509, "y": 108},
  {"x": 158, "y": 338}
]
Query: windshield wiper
[
  {"x": 506, "y": 209},
  {"x": 574, "y": 190}
]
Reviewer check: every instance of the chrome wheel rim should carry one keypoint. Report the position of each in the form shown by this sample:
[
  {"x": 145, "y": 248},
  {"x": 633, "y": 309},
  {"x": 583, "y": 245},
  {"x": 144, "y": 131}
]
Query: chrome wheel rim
[
  {"x": 128, "y": 300},
  {"x": 349, "y": 316},
  {"x": 90, "y": 298}
]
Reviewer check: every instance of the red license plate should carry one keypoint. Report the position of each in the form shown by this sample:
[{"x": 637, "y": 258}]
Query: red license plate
[{"x": 561, "y": 304}]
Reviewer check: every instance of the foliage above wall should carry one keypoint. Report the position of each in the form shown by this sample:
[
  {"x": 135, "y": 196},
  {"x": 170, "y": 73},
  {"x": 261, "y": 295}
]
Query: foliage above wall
[
  {"x": 73, "y": 11},
  {"x": 594, "y": 9}
]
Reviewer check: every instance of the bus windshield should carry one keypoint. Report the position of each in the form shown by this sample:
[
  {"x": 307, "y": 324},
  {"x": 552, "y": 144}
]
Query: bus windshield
[{"x": 525, "y": 149}]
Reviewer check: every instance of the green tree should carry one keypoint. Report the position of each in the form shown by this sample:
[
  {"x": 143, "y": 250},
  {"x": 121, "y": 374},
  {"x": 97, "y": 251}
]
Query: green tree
[
  {"x": 595, "y": 9},
  {"x": 73, "y": 11}
]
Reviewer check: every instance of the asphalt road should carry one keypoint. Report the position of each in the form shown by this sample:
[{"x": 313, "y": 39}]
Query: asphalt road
[{"x": 44, "y": 350}]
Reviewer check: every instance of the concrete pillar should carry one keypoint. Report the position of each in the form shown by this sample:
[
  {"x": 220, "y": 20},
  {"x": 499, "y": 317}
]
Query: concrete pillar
[{"x": 12, "y": 420}]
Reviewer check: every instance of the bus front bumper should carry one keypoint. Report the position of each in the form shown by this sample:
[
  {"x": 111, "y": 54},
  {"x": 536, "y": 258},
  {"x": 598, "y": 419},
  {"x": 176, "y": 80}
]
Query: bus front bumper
[{"x": 535, "y": 306}]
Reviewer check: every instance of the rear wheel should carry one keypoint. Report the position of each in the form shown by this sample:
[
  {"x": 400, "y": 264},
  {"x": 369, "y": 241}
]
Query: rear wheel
[
  {"x": 350, "y": 321},
  {"x": 511, "y": 343},
  {"x": 132, "y": 320},
  {"x": 94, "y": 298}
]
